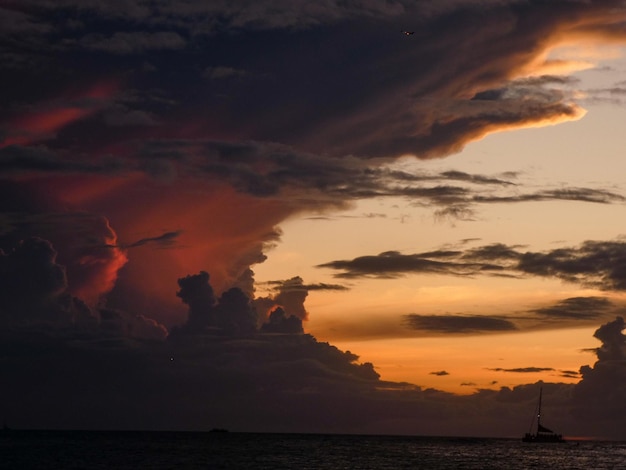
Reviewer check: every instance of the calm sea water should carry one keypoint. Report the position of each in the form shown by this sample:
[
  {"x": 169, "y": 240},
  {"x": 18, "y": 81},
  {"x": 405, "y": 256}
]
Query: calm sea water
[{"x": 181, "y": 450}]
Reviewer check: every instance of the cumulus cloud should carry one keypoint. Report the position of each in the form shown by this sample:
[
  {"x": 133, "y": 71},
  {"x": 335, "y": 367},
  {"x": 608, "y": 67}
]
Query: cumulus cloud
[
  {"x": 232, "y": 314},
  {"x": 279, "y": 322},
  {"x": 121, "y": 324},
  {"x": 233, "y": 381},
  {"x": 85, "y": 243},
  {"x": 291, "y": 295},
  {"x": 613, "y": 341},
  {"x": 34, "y": 294},
  {"x": 30, "y": 276},
  {"x": 132, "y": 356},
  {"x": 598, "y": 397},
  {"x": 196, "y": 292}
]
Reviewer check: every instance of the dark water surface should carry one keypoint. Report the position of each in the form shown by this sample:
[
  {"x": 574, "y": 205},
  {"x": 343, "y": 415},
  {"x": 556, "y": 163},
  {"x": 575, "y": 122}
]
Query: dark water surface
[{"x": 169, "y": 450}]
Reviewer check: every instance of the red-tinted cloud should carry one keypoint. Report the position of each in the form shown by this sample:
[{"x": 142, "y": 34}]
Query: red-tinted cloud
[
  {"x": 221, "y": 231},
  {"x": 47, "y": 118}
]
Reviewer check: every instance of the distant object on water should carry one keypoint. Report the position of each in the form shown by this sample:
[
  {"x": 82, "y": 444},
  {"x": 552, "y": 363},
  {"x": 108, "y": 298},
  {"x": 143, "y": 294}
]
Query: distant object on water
[
  {"x": 218, "y": 430},
  {"x": 543, "y": 434},
  {"x": 408, "y": 33}
]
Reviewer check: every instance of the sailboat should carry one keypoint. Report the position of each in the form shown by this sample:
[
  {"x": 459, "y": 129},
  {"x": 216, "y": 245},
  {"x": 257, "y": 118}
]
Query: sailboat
[{"x": 543, "y": 434}]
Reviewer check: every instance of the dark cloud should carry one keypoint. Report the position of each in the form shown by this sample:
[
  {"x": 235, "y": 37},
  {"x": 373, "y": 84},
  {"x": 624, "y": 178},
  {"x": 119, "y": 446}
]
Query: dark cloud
[
  {"x": 34, "y": 295},
  {"x": 272, "y": 380},
  {"x": 283, "y": 311},
  {"x": 613, "y": 341},
  {"x": 574, "y": 312},
  {"x": 164, "y": 240},
  {"x": 294, "y": 284},
  {"x": 599, "y": 196},
  {"x": 577, "y": 307},
  {"x": 388, "y": 264},
  {"x": 492, "y": 253},
  {"x": 121, "y": 116},
  {"x": 197, "y": 293},
  {"x": 392, "y": 264},
  {"x": 19, "y": 159},
  {"x": 477, "y": 179},
  {"x": 279, "y": 322},
  {"x": 127, "y": 356},
  {"x": 291, "y": 296},
  {"x": 570, "y": 374},
  {"x": 407, "y": 106},
  {"x": 30, "y": 278},
  {"x": 523, "y": 370},
  {"x": 219, "y": 72},
  {"x": 458, "y": 324},
  {"x": 596, "y": 264},
  {"x": 121, "y": 324},
  {"x": 328, "y": 181},
  {"x": 85, "y": 244},
  {"x": 598, "y": 397},
  {"x": 133, "y": 42},
  {"x": 440, "y": 373}
]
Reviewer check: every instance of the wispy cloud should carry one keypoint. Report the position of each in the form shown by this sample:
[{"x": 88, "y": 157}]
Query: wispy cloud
[
  {"x": 458, "y": 323},
  {"x": 577, "y": 307},
  {"x": 593, "y": 263},
  {"x": 523, "y": 370},
  {"x": 166, "y": 240}
]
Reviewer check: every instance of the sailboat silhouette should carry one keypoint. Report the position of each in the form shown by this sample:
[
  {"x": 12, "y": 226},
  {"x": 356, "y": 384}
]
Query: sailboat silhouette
[{"x": 543, "y": 434}]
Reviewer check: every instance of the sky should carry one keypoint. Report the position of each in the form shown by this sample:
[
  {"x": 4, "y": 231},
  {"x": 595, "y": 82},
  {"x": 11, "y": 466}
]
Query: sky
[{"x": 376, "y": 216}]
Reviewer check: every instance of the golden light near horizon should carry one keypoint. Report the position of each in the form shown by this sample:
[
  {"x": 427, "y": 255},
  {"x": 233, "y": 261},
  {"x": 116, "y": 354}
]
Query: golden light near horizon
[{"x": 463, "y": 365}]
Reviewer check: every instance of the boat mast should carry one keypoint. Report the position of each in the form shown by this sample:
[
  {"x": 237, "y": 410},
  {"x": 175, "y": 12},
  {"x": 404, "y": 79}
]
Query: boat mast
[{"x": 539, "y": 410}]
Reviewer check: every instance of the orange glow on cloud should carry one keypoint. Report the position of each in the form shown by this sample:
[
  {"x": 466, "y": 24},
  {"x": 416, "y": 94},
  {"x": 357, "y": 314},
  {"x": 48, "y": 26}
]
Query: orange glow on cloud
[
  {"x": 559, "y": 67},
  {"x": 575, "y": 113},
  {"x": 101, "y": 266},
  {"x": 85, "y": 241},
  {"x": 579, "y": 45},
  {"x": 219, "y": 225}
]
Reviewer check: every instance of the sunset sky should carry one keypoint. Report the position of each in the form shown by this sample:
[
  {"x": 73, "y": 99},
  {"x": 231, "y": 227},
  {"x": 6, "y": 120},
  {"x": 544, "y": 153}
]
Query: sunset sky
[{"x": 280, "y": 215}]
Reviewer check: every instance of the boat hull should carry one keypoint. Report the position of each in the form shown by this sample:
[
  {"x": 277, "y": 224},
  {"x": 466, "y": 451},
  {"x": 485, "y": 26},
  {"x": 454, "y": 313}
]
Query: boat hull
[{"x": 543, "y": 438}]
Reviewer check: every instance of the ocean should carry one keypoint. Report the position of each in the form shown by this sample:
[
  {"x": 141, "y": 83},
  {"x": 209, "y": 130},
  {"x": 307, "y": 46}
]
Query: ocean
[{"x": 229, "y": 450}]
